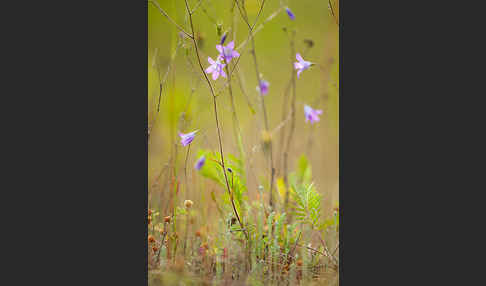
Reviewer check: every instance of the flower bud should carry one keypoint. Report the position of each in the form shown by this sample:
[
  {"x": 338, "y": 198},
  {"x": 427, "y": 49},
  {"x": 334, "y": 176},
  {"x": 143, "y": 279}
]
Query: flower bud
[{"x": 223, "y": 38}]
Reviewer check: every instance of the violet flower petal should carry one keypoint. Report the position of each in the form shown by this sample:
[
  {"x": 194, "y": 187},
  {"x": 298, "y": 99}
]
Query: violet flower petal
[
  {"x": 186, "y": 139},
  {"x": 219, "y": 48},
  {"x": 311, "y": 114},
  {"x": 299, "y": 57}
]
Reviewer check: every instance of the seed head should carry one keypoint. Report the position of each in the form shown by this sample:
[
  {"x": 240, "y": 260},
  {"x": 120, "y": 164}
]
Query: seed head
[
  {"x": 309, "y": 43},
  {"x": 151, "y": 239},
  {"x": 188, "y": 203}
]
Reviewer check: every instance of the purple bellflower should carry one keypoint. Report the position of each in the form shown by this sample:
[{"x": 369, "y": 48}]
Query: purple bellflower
[
  {"x": 186, "y": 139},
  {"x": 301, "y": 65},
  {"x": 216, "y": 68},
  {"x": 291, "y": 15},
  {"x": 200, "y": 162},
  {"x": 227, "y": 52},
  {"x": 311, "y": 115},
  {"x": 263, "y": 87}
]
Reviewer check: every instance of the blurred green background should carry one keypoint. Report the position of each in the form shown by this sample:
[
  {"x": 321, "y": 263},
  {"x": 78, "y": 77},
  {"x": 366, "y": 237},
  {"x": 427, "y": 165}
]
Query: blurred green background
[{"x": 186, "y": 92}]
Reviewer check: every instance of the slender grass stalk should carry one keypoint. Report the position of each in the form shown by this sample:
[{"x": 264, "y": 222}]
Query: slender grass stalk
[
  {"x": 186, "y": 234},
  {"x": 170, "y": 19},
  {"x": 332, "y": 12},
  {"x": 185, "y": 171},
  {"x": 292, "y": 123},
  {"x": 284, "y": 105},
  {"x": 162, "y": 239},
  {"x": 236, "y": 123},
  {"x": 216, "y": 118},
  {"x": 282, "y": 133},
  {"x": 244, "y": 15}
]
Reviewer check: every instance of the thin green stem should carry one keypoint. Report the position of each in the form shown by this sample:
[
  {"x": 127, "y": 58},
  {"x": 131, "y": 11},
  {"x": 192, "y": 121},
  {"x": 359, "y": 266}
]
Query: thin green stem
[
  {"x": 292, "y": 122},
  {"x": 170, "y": 19},
  {"x": 216, "y": 118}
]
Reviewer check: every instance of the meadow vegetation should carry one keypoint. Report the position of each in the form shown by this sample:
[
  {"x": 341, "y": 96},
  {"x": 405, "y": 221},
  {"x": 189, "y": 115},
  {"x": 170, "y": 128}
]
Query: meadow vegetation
[{"x": 243, "y": 142}]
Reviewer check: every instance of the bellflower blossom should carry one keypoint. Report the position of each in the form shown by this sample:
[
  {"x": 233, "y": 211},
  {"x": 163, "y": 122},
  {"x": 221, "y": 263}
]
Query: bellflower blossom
[
  {"x": 227, "y": 52},
  {"x": 200, "y": 163},
  {"x": 186, "y": 139},
  {"x": 291, "y": 15},
  {"x": 216, "y": 68},
  {"x": 311, "y": 115},
  {"x": 301, "y": 65},
  {"x": 263, "y": 87}
]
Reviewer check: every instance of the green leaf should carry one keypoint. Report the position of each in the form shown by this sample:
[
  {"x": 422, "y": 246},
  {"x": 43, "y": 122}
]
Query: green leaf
[
  {"x": 308, "y": 202},
  {"x": 213, "y": 170}
]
